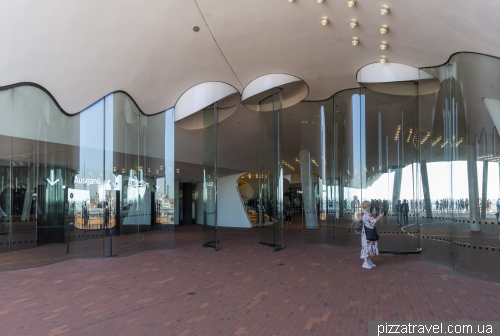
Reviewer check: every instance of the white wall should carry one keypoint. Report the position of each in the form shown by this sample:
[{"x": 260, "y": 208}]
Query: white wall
[
  {"x": 246, "y": 191},
  {"x": 230, "y": 211}
]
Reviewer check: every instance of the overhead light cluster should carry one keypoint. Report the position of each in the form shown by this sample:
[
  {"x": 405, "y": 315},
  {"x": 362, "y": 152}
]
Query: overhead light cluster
[
  {"x": 314, "y": 162},
  {"x": 177, "y": 170},
  {"x": 489, "y": 157},
  {"x": 398, "y": 130},
  {"x": 459, "y": 142},
  {"x": 425, "y": 137},
  {"x": 288, "y": 165},
  {"x": 409, "y": 135},
  {"x": 325, "y": 20},
  {"x": 437, "y": 140}
]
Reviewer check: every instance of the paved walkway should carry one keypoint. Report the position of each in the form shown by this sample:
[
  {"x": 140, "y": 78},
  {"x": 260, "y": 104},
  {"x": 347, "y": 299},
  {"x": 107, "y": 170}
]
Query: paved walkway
[{"x": 243, "y": 289}]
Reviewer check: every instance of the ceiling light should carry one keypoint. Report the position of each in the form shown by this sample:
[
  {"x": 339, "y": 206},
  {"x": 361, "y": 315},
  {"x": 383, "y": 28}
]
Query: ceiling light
[
  {"x": 384, "y": 29},
  {"x": 355, "y": 41},
  {"x": 385, "y": 10},
  {"x": 353, "y": 23},
  {"x": 351, "y": 3},
  {"x": 290, "y": 0},
  {"x": 320, "y": 1},
  {"x": 324, "y": 20},
  {"x": 383, "y": 59},
  {"x": 196, "y": 29},
  {"x": 384, "y": 45}
]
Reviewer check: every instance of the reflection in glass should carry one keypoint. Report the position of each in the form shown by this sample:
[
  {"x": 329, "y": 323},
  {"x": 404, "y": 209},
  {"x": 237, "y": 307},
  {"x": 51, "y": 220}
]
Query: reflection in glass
[
  {"x": 210, "y": 121},
  {"x": 70, "y": 182},
  {"x": 459, "y": 125},
  {"x": 271, "y": 171}
]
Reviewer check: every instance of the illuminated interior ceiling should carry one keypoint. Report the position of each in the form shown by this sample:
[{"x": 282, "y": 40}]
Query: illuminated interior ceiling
[{"x": 84, "y": 49}]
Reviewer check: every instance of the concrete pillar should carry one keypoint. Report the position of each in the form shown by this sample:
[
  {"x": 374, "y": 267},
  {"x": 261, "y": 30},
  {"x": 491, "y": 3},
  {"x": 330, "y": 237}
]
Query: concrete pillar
[
  {"x": 396, "y": 190},
  {"x": 473, "y": 184},
  {"x": 484, "y": 195},
  {"x": 425, "y": 186},
  {"x": 308, "y": 196}
]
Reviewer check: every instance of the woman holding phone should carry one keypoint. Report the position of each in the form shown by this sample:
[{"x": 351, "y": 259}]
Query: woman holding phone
[{"x": 368, "y": 248}]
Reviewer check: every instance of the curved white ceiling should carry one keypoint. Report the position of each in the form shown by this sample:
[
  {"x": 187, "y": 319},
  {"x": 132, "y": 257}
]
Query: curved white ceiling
[
  {"x": 83, "y": 49},
  {"x": 293, "y": 90},
  {"x": 188, "y": 109}
]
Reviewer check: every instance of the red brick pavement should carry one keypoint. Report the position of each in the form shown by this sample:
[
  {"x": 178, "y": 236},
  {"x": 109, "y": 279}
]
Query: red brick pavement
[{"x": 243, "y": 289}]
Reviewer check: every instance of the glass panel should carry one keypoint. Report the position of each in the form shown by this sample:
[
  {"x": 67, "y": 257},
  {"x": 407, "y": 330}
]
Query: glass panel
[
  {"x": 5, "y": 177},
  {"x": 39, "y": 177},
  {"x": 159, "y": 174},
  {"x": 62, "y": 193},
  {"x": 122, "y": 146},
  {"x": 317, "y": 226},
  {"x": 376, "y": 154},
  {"x": 462, "y": 164},
  {"x": 271, "y": 171},
  {"x": 210, "y": 120},
  {"x": 85, "y": 194}
]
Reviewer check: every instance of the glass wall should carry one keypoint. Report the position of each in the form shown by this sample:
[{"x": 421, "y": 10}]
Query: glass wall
[
  {"x": 316, "y": 169},
  {"x": 361, "y": 145},
  {"x": 271, "y": 170},
  {"x": 95, "y": 184},
  {"x": 460, "y": 148}
]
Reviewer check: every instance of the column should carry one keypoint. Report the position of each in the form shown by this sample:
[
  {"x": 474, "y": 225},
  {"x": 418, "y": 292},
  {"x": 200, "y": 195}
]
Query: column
[
  {"x": 271, "y": 170},
  {"x": 210, "y": 119},
  {"x": 473, "y": 184},
  {"x": 425, "y": 186},
  {"x": 308, "y": 195}
]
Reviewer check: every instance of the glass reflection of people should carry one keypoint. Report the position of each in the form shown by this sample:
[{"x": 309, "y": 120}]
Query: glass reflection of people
[
  {"x": 355, "y": 206},
  {"x": 368, "y": 248},
  {"x": 405, "y": 211},
  {"x": 288, "y": 213},
  {"x": 498, "y": 208},
  {"x": 399, "y": 212}
]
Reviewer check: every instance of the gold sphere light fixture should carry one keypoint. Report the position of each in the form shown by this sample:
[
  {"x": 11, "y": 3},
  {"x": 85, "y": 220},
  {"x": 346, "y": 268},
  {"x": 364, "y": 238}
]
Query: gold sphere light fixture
[
  {"x": 351, "y": 3},
  {"x": 325, "y": 20},
  {"x": 385, "y": 10},
  {"x": 353, "y": 23},
  {"x": 383, "y": 59},
  {"x": 384, "y": 45},
  {"x": 290, "y": 0},
  {"x": 355, "y": 41},
  {"x": 384, "y": 29},
  {"x": 319, "y": 1}
]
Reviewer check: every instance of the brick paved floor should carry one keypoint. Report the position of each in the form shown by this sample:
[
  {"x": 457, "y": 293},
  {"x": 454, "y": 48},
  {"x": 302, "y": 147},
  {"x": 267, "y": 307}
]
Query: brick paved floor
[{"x": 243, "y": 289}]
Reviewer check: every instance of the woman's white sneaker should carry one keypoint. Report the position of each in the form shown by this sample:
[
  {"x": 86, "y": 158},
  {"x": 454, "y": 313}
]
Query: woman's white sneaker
[
  {"x": 366, "y": 265},
  {"x": 372, "y": 264}
]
